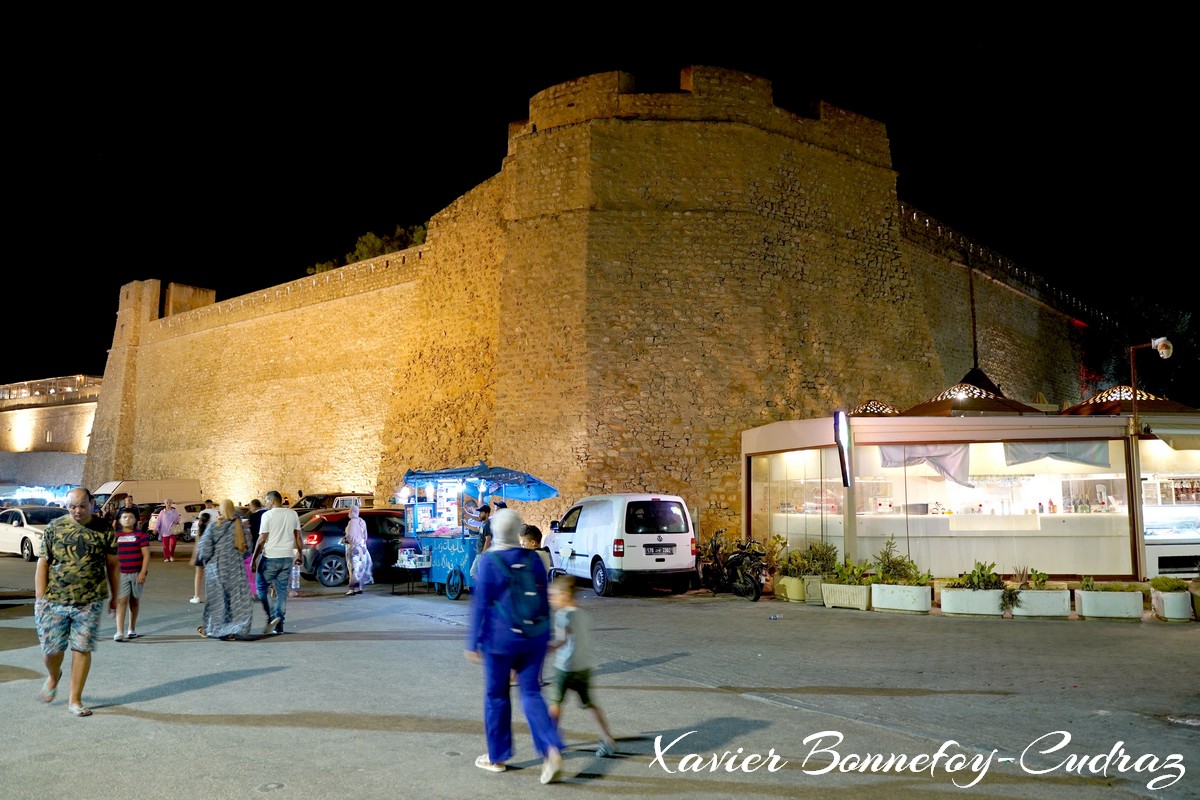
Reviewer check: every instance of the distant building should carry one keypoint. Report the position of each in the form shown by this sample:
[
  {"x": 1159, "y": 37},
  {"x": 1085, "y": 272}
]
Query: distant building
[{"x": 45, "y": 427}]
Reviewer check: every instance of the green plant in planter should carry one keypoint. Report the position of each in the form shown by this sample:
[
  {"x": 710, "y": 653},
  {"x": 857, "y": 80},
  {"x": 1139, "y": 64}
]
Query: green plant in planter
[
  {"x": 851, "y": 574},
  {"x": 981, "y": 576},
  {"x": 1088, "y": 584},
  {"x": 773, "y": 553},
  {"x": 822, "y": 558},
  {"x": 1167, "y": 583},
  {"x": 1029, "y": 578},
  {"x": 893, "y": 568},
  {"x": 793, "y": 565}
]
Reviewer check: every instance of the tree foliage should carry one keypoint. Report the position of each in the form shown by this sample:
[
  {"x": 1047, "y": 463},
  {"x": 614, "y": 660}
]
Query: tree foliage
[{"x": 370, "y": 245}]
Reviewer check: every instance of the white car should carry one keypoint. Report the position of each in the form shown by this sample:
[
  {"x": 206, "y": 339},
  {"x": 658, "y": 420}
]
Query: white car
[
  {"x": 625, "y": 538},
  {"x": 21, "y": 529}
]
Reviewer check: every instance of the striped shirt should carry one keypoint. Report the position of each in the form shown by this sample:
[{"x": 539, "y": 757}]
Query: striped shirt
[{"x": 129, "y": 550}]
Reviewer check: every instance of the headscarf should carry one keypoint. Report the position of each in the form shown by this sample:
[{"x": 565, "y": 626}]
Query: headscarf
[{"x": 506, "y": 527}]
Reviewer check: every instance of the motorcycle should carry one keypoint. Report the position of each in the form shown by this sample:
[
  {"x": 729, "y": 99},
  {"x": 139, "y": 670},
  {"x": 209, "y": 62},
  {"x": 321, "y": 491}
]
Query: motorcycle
[{"x": 741, "y": 570}]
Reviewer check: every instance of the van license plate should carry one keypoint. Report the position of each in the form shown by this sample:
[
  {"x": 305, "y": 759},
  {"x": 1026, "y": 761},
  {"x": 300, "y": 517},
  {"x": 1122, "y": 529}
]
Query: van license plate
[{"x": 660, "y": 549}]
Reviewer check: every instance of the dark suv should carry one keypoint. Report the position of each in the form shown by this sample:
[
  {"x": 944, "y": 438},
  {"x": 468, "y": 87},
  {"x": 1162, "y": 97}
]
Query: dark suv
[{"x": 324, "y": 556}]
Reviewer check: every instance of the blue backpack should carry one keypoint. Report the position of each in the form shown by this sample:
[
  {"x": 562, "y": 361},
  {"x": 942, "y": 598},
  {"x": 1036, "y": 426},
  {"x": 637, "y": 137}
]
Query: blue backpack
[{"x": 525, "y": 610}]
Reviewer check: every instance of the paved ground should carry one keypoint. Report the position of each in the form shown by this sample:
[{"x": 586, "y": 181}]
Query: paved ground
[{"x": 369, "y": 697}]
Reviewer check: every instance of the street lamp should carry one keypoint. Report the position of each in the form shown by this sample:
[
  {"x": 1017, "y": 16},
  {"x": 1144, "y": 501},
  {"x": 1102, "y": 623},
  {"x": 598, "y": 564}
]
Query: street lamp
[{"x": 1164, "y": 349}]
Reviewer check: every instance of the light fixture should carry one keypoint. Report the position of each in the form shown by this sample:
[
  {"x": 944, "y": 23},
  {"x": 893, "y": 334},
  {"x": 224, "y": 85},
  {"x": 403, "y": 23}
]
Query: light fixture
[{"x": 1164, "y": 348}]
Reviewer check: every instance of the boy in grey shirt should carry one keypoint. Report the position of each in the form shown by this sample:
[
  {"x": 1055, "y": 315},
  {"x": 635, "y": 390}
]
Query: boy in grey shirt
[{"x": 572, "y": 648}]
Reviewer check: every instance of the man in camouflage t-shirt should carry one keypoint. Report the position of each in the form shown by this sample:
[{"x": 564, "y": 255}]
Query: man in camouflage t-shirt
[{"x": 78, "y": 569}]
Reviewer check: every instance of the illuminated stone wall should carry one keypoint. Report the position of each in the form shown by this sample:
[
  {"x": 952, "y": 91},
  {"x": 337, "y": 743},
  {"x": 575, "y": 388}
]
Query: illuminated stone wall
[{"x": 646, "y": 277}]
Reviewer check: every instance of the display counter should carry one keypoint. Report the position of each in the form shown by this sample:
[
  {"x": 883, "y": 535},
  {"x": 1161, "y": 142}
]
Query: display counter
[{"x": 948, "y": 545}]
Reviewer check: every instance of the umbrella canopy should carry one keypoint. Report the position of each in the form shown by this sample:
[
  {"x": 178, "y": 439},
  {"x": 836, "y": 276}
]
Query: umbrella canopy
[
  {"x": 1117, "y": 400},
  {"x": 483, "y": 480},
  {"x": 975, "y": 394},
  {"x": 510, "y": 484}
]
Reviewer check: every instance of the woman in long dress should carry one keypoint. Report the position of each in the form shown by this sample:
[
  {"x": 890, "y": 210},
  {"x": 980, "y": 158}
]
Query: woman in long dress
[
  {"x": 358, "y": 557},
  {"x": 228, "y": 610}
]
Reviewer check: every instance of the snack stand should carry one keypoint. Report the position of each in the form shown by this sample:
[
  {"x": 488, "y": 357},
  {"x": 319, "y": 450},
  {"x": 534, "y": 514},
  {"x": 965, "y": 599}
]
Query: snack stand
[{"x": 446, "y": 524}]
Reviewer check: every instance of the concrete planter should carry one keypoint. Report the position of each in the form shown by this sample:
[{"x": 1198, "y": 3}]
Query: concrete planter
[
  {"x": 839, "y": 595},
  {"x": 1043, "y": 604},
  {"x": 972, "y": 602},
  {"x": 1109, "y": 605},
  {"x": 812, "y": 589},
  {"x": 1172, "y": 606},
  {"x": 790, "y": 589},
  {"x": 897, "y": 599}
]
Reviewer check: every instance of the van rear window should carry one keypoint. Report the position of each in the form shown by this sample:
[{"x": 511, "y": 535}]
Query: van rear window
[{"x": 655, "y": 516}]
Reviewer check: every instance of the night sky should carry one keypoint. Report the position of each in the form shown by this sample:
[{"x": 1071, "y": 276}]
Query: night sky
[{"x": 233, "y": 156}]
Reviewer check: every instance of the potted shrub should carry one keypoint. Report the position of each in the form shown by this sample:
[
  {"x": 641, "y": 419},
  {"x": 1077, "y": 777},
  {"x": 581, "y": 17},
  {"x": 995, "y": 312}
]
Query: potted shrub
[
  {"x": 899, "y": 585},
  {"x": 980, "y": 592},
  {"x": 820, "y": 559},
  {"x": 1170, "y": 598},
  {"x": 1113, "y": 601},
  {"x": 1035, "y": 599},
  {"x": 848, "y": 587},
  {"x": 773, "y": 549},
  {"x": 790, "y": 583}
]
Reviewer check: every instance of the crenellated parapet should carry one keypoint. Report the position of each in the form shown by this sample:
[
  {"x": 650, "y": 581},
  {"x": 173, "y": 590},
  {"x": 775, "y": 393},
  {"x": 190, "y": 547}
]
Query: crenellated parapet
[{"x": 706, "y": 94}]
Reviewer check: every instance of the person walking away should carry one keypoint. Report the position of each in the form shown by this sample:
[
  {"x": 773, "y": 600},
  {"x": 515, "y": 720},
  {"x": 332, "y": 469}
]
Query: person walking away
[
  {"x": 573, "y": 662},
  {"x": 164, "y": 526},
  {"x": 255, "y": 518},
  {"x": 358, "y": 557},
  {"x": 228, "y": 610},
  {"x": 509, "y": 630},
  {"x": 203, "y": 520},
  {"x": 279, "y": 543},
  {"x": 133, "y": 559},
  {"x": 77, "y": 570}
]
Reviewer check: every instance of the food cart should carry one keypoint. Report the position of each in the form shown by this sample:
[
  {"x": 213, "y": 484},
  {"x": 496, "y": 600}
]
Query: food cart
[{"x": 446, "y": 523}]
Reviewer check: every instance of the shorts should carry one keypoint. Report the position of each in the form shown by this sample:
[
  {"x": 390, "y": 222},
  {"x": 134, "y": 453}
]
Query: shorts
[
  {"x": 60, "y": 626},
  {"x": 578, "y": 682},
  {"x": 128, "y": 586}
]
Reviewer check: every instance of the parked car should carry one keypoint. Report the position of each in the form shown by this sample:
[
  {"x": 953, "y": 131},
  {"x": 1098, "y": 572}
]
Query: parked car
[
  {"x": 21, "y": 529},
  {"x": 616, "y": 539},
  {"x": 324, "y": 556},
  {"x": 311, "y": 502}
]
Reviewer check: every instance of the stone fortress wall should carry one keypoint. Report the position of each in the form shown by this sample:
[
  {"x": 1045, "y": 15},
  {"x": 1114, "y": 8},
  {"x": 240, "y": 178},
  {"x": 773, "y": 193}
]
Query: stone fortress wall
[{"x": 647, "y": 276}]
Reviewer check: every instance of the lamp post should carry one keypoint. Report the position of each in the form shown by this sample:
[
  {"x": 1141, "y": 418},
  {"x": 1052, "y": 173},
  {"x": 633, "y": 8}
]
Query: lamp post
[
  {"x": 1164, "y": 349},
  {"x": 1134, "y": 478}
]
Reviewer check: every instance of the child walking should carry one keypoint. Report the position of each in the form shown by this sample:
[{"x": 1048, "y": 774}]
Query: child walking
[
  {"x": 133, "y": 555},
  {"x": 572, "y": 648}
]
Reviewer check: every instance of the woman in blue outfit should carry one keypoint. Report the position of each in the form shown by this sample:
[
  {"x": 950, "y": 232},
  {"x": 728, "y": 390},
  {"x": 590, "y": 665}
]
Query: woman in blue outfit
[
  {"x": 492, "y": 641},
  {"x": 228, "y": 610}
]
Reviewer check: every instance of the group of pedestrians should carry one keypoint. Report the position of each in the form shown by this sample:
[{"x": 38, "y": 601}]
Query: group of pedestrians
[
  {"x": 506, "y": 649},
  {"x": 85, "y": 561}
]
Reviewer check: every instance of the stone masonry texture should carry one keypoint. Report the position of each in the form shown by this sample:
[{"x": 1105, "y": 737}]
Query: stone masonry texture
[{"x": 647, "y": 276}]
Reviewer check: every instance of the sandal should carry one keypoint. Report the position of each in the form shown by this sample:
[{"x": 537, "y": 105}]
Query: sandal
[
  {"x": 46, "y": 694},
  {"x": 483, "y": 763},
  {"x": 80, "y": 711},
  {"x": 200, "y": 630}
]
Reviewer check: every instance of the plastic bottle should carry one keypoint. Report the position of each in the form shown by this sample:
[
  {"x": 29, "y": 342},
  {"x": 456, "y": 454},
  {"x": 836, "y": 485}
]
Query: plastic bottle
[{"x": 1041, "y": 509}]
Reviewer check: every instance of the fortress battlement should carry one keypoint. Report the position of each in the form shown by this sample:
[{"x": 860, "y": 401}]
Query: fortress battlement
[{"x": 706, "y": 94}]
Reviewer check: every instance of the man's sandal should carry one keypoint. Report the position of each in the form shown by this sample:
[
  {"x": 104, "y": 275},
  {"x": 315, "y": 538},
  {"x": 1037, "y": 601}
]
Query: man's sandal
[
  {"x": 46, "y": 694},
  {"x": 80, "y": 711}
]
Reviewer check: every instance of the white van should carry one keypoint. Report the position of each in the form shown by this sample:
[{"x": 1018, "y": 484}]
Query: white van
[{"x": 622, "y": 538}]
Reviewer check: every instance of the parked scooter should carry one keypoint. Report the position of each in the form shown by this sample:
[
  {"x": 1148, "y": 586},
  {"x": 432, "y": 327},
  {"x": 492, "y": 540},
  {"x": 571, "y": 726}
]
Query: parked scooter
[{"x": 742, "y": 570}]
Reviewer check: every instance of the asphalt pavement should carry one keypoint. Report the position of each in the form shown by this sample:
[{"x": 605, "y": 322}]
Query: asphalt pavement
[{"x": 710, "y": 697}]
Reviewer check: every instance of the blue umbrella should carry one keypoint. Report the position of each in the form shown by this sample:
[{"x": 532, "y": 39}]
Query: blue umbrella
[{"x": 510, "y": 484}]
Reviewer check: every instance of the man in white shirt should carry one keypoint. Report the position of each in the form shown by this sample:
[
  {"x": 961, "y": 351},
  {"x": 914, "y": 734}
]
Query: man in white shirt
[{"x": 279, "y": 543}]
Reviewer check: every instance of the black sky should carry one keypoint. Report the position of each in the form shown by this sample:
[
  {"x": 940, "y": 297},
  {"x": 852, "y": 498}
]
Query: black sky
[{"x": 235, "y": 159}]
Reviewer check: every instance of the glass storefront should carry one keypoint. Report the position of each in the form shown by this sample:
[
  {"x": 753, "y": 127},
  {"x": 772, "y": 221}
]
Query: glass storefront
[{"x": 1058, "y": 505}]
